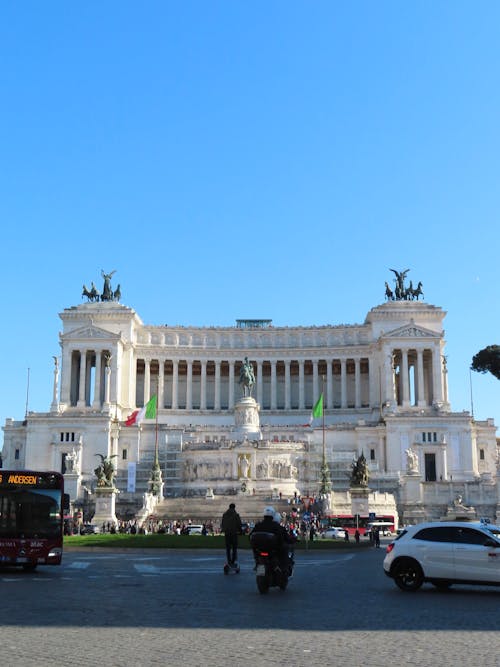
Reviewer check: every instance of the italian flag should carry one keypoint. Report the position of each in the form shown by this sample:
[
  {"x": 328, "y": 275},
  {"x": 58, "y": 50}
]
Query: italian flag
[
  {"x": 317, "y": 410},
  {"x": 147, "y": 412}
]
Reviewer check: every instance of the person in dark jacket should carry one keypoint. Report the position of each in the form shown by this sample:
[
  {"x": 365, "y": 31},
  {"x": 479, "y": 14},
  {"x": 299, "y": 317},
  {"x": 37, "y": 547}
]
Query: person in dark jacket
[
  {"x": 231, "y": 527},
  {"x": 270, "y": 524}
]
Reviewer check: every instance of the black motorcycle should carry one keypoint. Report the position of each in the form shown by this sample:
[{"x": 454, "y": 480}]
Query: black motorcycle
[{"x": 269, "y": 569}]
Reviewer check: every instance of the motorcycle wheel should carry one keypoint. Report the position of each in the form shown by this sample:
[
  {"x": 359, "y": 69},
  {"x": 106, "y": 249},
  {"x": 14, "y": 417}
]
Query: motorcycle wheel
[
  {"x": 262, "y": 584},
  {"x": 283, "y": 583}
]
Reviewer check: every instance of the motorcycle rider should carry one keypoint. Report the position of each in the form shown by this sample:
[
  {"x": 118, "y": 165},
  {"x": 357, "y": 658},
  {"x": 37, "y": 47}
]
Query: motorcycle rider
[{"x": 269, "y": 524}]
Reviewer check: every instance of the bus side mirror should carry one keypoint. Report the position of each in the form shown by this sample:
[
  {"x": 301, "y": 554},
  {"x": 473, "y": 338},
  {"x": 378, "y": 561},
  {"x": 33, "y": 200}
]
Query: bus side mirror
[{"x": 65, "y": 502}]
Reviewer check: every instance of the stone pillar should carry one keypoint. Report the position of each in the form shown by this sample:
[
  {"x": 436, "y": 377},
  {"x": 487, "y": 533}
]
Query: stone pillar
[
  {"x": 83, "y": 369},
  {"x": 273, "y": 384},
  {"x": 301, "y": 385},
  {"x": 316, "y": 391},
  {"x": 147, "y": 380},
  {"x": 343, "y": 383},
  {"x": 203, "y": 386},
  {"x": 231, "y": 385},
  {"x": 217, "y": 386},
  {"x": 405, "y": 379},
  {"x": 329, "y": 384},
  {"x": 161, "y": 384},
  {"x": 175, "y": 384},
  {"x": 189, "y": 385},
  {"x": 421, "y": 402},
  {"x": 259, "y": 382},
  {"x": 55, "y": 405},
  {"x": 97, "y": 380},
  {"x": 287, "y": 385},
  {"x": 357, "y": 383},
  {"x": 107, "y": 385},
  {"x": 437, "y": 376}
]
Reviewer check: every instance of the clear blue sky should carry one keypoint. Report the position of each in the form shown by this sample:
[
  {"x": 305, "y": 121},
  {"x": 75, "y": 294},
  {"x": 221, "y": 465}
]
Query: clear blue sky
[{"x": 246, "y": 160}]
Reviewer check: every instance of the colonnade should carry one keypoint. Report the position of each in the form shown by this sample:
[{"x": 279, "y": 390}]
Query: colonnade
[{"x": 281, "y": 384}]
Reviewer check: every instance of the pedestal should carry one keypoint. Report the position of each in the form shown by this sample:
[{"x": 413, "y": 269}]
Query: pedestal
[
  {"x": 359, "y": 499},
  {"x": 72, "y": 485},
  {"x": 246, "y": 418},
  {"x": 105, "y": 499}
]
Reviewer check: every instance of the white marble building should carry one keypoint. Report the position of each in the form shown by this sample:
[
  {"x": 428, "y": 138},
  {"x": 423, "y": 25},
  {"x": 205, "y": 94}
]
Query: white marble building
[{"x": 385, "y": 394}]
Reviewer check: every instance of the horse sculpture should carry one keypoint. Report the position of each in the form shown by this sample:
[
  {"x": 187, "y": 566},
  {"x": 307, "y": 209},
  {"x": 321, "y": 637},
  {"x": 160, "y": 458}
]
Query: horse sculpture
[
  {"x": 92, "y": 294},
  {"x": 247, "y": 377}
]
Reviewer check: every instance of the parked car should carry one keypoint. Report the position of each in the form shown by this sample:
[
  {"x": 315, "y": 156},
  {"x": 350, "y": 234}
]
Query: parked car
[
  {"x": 333, "y": 534},
  {"x": 444, "y": 553},
  {"x": 89, "y": 529},
  {"x": 195, "y": 529}
]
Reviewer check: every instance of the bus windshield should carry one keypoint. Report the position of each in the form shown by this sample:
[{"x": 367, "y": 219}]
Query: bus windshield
[{"x": 30, "y": 512}]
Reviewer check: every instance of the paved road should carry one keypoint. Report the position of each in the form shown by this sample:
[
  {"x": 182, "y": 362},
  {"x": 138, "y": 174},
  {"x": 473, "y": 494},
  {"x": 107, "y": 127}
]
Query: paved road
[{"x": 178, "y": 608}]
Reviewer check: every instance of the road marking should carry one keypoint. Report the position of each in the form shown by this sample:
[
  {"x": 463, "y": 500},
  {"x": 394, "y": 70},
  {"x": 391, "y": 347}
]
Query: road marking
[{"x": 78, "y": 565}]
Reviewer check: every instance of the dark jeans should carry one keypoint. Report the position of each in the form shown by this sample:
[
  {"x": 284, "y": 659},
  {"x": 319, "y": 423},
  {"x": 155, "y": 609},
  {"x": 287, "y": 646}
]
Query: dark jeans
[{"x": 231, "y": 547}]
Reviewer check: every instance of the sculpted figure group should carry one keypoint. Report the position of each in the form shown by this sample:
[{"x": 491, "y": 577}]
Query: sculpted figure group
[
  {"x": 401, "y": 292},
  {"x": 108, "y": 294}
]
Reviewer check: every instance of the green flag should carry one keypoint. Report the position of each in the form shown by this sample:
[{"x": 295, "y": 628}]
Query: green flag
[
  {"x": 151, "y": 408},
  {"x": 318, "y": 408}
]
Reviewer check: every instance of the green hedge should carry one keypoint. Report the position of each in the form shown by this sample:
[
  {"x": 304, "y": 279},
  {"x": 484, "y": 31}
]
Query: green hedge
[{"x": 159, "y": 541}]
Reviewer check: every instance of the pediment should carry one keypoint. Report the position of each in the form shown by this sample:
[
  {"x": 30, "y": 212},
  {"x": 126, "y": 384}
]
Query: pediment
[
  {"x": 411, "y": 330},
  {"x": 89, "y": 332}
]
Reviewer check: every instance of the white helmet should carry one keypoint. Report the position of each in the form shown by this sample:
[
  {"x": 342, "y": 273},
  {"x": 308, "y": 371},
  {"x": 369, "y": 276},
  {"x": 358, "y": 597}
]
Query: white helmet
[{"x": 269, "y": 511}]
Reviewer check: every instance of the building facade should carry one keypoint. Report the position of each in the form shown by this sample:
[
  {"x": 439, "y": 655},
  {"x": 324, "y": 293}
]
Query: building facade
[{"x": 385, "y": 392}]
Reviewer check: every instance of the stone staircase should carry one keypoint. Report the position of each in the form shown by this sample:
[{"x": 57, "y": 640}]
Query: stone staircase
[{"x": 201, "y": 510}]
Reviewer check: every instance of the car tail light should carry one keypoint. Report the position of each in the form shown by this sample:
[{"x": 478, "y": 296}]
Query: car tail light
[
  {"x": 390, "y": 547},
  {"x": 264, "y": 553}
]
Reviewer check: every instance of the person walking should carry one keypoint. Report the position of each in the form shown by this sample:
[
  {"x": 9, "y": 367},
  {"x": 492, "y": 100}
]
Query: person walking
[{"x": 231, "y": 527}]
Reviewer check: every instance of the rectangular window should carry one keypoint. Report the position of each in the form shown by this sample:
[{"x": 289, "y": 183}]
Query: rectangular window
[
  {"x": 16, "y": 455},
  {"x": 430, "y": 467},
  {"x": 423, "y": 436},
  {"x": 481, "y": 454},
  {"x": 124, "y": 454},
  {"x": 62, "y": 437},
  {"x": 372, "y": 455}
]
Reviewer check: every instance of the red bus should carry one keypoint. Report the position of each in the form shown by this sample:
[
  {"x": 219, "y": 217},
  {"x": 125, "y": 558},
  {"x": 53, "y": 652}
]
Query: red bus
[
  {"x": 360, "y": 521},
  {"x": 32, "y": 506}
]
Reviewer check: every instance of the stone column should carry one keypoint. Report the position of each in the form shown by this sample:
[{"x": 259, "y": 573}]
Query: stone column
[
  {"x": 231, "y": 385},
  {"x": 217, "y": 386},
  {"x": 329, "y": 384},
  {"x": 189, "y": 385},
  {"x": 97, "y": 380},
  {"x": 55, "y": 405},
  {"x": 203, "y": 386},
  {"x": 147, "y": 380},
  {"x": 287, "y": 385},
  {"x": 175, "y": 384},
  {"x": 343, "y": 383},
  {"x": 437, "y": 375},
  {"x": 273, "y": 384},
  {"x": 161, "y": 383},
  {"x": 420, "y": 379},
  {"x": 357, "y": 383},
  {"x": 316, "y": 391},
  {"x": 83, "y": 370},
  {"x": 301, "y": 385},
  {"x": 107, "y": 385},
  {"x": 405, "y": 378},
  {"x": 259, "y": 382}
]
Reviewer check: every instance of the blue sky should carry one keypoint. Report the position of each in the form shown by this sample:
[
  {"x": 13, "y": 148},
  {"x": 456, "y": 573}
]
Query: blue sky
[{"x": 248, "y": 160}]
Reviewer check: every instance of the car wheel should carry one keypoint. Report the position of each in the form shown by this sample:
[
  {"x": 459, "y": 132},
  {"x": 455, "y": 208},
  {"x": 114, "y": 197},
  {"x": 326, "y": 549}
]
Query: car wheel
[
  {"x": 442, "y": 585},
  {"x": 408, "y": 575}
]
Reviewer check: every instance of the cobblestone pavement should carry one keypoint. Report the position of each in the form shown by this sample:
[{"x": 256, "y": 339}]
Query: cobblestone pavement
[{"x": 178, "y": 608}]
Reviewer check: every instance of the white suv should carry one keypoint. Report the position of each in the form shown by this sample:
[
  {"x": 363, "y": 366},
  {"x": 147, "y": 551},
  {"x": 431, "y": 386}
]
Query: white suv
[{"x": 443, "y": 553}]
